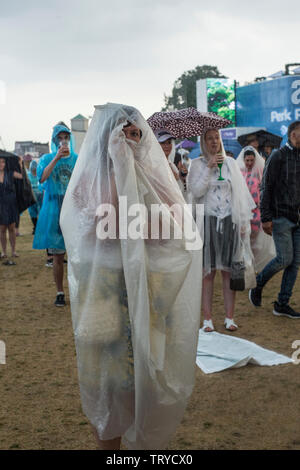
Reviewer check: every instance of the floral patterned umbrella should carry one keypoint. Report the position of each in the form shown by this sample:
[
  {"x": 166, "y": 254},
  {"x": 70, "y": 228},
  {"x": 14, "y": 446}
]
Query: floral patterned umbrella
[{"x": 186, "y": 122}]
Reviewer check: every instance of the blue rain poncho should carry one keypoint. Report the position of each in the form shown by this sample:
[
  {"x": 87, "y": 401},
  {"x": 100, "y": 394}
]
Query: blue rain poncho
[
  {"x": 37, "y": 191},
  {"x": 48, "y": 233}
]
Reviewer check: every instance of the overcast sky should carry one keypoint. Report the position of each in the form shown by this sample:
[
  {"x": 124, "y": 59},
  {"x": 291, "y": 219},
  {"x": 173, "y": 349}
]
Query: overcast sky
[{"x": 61, "y": 57}]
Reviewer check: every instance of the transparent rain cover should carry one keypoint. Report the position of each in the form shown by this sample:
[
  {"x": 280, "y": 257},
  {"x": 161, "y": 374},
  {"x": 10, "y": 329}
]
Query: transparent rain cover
[{"x": 135, "y": 303}]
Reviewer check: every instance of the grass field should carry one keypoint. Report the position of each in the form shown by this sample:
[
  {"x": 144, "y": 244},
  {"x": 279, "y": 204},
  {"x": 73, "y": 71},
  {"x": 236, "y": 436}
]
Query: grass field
[{"x": 248, "y": 408}]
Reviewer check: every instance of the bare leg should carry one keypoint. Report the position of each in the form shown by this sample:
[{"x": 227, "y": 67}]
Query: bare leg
[
  {"x": 229, "y": 296},
  {"x": 3, "y": 238},
  {"x": 12, "y": 238},
  {"x": 58, "y": 271},
  {"x": 111, "y": 444},
  {"x": 207, "y": 296}
]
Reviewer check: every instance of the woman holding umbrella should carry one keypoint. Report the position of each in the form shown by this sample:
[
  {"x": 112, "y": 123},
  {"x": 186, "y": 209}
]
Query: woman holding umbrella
[
  {"x": 227, "y": 214},
  {"x": 9, "y": 213}
]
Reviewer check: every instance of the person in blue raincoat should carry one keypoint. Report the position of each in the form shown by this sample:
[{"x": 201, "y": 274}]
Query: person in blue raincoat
[
  {"x": 37, "y": 191},
  {"x": 54, "y": 172}
]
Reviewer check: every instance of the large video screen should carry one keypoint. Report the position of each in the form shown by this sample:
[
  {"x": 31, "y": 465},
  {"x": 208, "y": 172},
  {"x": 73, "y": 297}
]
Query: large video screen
[{"x": 217, "y": 95}]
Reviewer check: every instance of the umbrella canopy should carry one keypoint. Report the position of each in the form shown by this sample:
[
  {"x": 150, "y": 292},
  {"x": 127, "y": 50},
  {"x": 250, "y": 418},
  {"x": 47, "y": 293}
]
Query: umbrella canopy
[
  {"x": 185, "y": 144},
  {"x": 12, "y": 160},
  {"x": 262, "y": 137},
  {"x": 5, "y": 154},
  {"x": 186, "y": 122}
]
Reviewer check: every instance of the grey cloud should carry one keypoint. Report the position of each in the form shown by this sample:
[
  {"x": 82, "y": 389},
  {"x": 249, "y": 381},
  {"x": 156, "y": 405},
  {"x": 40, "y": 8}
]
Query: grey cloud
[
  {"x": 76, "y": 36},
  {"x": 48, "y": 40}
]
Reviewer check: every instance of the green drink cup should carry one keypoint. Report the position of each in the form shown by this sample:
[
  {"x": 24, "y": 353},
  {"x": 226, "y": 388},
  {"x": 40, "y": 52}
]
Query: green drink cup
[{"x": 220, "y": 167}]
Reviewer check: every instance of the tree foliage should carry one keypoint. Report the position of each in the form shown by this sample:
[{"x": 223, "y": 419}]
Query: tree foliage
[
  {"x": 184, "y": 89},
  {"x": 221, "y": 99}
]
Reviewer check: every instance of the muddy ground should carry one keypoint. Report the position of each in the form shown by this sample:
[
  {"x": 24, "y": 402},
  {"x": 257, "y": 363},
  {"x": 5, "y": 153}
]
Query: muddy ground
[{"x": 248, "y": 408}]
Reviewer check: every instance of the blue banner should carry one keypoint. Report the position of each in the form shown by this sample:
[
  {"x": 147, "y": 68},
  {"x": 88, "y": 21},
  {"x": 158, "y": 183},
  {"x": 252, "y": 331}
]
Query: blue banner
[
  {"x": 228, "y": 133},
  {"x": 273, "y": 104}
]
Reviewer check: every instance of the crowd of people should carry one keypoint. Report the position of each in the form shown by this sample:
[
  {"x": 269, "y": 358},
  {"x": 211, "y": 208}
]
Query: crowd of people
[{"x": 135, "y": 349}]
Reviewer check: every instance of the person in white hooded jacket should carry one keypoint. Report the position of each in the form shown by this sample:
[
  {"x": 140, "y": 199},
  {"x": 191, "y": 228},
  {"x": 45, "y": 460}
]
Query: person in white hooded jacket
[{"x": 227, "y": 214}]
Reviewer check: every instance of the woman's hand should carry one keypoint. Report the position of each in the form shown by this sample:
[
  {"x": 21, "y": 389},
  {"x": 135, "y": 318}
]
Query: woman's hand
[{"x": 215, "y": 160}]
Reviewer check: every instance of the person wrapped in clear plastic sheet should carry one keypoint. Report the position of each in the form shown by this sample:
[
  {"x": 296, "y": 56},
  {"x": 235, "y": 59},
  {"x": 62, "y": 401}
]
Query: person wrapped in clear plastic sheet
[
  {"x": 227, "y": 213},
  {"x": 252, "y": 165},
  {"x": 135, "y": 322}
]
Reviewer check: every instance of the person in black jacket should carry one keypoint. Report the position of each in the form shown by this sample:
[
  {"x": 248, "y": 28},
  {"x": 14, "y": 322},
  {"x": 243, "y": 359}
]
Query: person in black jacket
[
  {"x": 9, "y": 213},
  {"x": 280, "y": 216}
]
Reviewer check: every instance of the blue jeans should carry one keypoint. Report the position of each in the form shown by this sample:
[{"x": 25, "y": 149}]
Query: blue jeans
[{"x": 286, "y": 235}]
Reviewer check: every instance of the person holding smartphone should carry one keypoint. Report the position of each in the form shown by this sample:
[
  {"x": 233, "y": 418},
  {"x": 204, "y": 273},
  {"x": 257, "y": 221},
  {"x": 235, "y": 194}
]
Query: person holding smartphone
[{"x": 54, "y": 172}]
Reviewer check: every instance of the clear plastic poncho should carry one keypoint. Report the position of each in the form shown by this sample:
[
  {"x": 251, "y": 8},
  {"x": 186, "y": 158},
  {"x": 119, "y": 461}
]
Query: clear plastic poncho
[
  {"x": 227, "y": 209},
  {"x": 135, "y": 322},
  {"x": 48, "y": 233},
  {"x": 262, "y": 245}
]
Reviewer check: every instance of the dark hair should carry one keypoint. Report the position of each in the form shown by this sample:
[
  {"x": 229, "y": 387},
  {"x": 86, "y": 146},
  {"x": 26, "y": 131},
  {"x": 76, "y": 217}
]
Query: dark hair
[
  {"x": 248, "y": 153},
  {"x": 177, "y": 159},
  {"x": 61, "y": 123},
  {"x": 292, "y": 127},
  {"x": 130, "y": 124}
]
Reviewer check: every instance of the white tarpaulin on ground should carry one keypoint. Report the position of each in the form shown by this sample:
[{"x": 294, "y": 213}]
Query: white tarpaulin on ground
[{"x": 216, "y": 352}]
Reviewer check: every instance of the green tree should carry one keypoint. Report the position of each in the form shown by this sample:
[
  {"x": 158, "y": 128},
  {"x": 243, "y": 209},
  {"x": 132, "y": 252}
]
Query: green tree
[
  {"x": 184, "y": 88},
  {"x": 220, "y": 99}
]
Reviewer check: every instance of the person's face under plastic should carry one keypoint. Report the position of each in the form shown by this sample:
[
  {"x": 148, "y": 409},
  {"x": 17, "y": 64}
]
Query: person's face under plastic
[
  {"x": 213, "y": 142},
  {"x": 2, "y": 164},
  {"x": 268, "y": 150},
  {"x": 63, "y": 137},
  {"x": 249, "y": 161},
  {"x": 167, "y": 146},
  {"x": 132, "y": 133}
]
